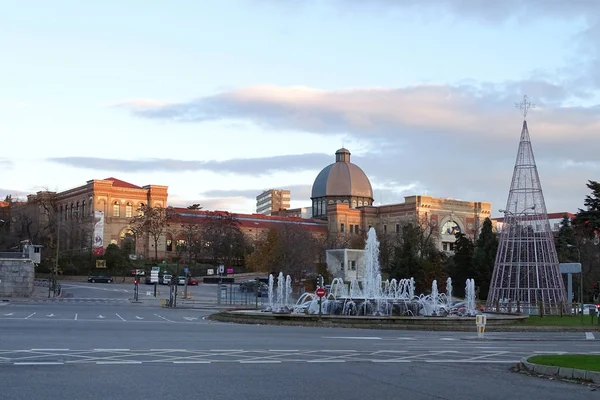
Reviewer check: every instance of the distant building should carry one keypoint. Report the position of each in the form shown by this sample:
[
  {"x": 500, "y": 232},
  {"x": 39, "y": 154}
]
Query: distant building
[
  {"x": 272, "y": 200},
  {"x": 554, "y": 218},
  {"x": 302, "y": 212}
]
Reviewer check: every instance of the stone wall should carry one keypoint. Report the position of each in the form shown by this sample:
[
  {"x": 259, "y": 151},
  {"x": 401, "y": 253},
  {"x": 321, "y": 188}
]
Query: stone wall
[{"x": 17, "y": 277}]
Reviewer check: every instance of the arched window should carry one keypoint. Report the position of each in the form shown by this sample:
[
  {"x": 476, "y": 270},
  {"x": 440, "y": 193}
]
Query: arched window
[
  {"x": 77, "y": 210},
  {"x": 353, "y": 203},
  {"x": 169, "y": 242},
  {"x": 83, "y": 214},
  {"x": 450, "y": 228},
  {"x": 128, "y": 210},
  {"x": 72, "y": 210},
  {"x": 116, "y": 209},
  {"x": 141, "y": 209}
]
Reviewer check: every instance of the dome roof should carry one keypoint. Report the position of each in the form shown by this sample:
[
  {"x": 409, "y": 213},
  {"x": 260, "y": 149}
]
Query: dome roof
[{"x": 342, "y": 178}]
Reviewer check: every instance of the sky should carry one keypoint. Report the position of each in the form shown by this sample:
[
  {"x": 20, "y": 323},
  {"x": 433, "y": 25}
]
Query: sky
[{"x": 220, "y": 100}]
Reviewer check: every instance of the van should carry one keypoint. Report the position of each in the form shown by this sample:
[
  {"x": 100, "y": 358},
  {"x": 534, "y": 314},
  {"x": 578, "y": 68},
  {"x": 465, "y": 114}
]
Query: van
[{"x": 167, "y": 279}]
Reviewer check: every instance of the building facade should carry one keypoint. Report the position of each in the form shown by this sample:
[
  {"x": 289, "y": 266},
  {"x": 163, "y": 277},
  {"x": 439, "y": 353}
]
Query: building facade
[{"x": 272, "y": 200}]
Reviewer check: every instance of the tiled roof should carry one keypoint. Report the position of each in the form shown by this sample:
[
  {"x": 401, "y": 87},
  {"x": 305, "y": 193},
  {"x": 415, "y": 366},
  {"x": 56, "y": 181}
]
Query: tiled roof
[
  {"x": 4, "y": 203},
  {"x": 122, "y": 184},
  {"x": 250, "y": 221},
  {"x": 558, "y": 215}
]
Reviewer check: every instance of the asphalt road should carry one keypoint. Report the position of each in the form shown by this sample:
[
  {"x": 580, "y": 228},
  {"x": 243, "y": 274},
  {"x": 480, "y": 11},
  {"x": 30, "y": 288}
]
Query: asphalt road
[{"x": 127, "y": 351}]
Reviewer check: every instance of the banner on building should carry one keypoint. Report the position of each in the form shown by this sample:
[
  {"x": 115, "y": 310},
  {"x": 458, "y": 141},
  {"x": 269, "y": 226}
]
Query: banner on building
[
  {"x": 100, "y": 263},
  {"x": 98, "y": 233}
]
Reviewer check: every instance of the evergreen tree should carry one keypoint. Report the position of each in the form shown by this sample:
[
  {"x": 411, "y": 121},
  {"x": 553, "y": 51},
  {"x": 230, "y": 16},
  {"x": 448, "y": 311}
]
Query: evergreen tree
[
  {"x": 406, "y": 262},
  {"x": 484, "y": 257},
  {"x": 565, "y": 240},
  {"x": 462, "y": 266},
  {"x": 588, "y": 220}
]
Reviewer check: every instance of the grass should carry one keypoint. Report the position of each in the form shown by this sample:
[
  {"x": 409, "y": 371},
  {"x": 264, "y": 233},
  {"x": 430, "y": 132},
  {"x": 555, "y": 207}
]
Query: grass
[
  {"x": 555, "y": 320},
  {"x": 577, "y": 361}
]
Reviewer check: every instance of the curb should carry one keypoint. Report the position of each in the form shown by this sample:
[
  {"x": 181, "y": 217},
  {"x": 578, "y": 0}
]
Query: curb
[{"x": 562, "y": 372}]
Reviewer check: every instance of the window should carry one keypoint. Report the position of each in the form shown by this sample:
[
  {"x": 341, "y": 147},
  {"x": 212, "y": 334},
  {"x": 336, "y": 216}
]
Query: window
[
  {"x": 128, "y": 210},
  {"x": 77, "y": 210},
  {"x": 141, "y": 209},
  {"x": 397, "y": 228},
  {"x": 342, "y": 227},
  {"x": 353, "y": 265},
  {"x": 116, "y": 209},
  {"x": 351, "y": 228},
  {"x": 83, "y": 208},
  {"x": 450, "y": 228},
  {"x": 72, "y": 210},
  {"x": 384, "y": 228}
]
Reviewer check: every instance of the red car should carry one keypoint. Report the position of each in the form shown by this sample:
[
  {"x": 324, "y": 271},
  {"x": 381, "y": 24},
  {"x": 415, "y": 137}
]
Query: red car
[{"x": 193, "y": 282}]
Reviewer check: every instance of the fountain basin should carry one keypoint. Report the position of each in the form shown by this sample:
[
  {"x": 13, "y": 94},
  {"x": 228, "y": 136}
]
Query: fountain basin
[{"x": 495, "y": 322}]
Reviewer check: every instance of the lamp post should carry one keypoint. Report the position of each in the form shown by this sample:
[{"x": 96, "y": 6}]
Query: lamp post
[{"x": 580, "y": 277}]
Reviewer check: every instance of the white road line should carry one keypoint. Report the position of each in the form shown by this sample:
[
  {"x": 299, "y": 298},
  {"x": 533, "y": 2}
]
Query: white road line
[
  {"x": 353, "y": 337},
  {"x": 136, "y": 317},
  {"x": 590, "y": 336},
  {"x": 285, "y": 351},
  {"x": 469, "y": 361},
  {"x": 191, "y": 362},
  {"x": 550, "y": 352},
  {"x": 38, "y": 363},
  {"x": 227, "y": 350},
  {"x": 30, "y": 315},
  {"x": 75, "y": 317},
  {"x": 391, "y": 361},
  {"x": 259, "y": 362},
  {"x": 117, "y": 362},
  {"x": 447, "y": 338},
  {"x": 168, "y": 350},
  {"x": 405, "y": 338},
  {"x": 122, "y": 319},
  {"x": 160, "y": 316},
  {"x": 326, "y": 361},
  {"x": 111, "y": 350},
  {"x": 49, "y": 349}
]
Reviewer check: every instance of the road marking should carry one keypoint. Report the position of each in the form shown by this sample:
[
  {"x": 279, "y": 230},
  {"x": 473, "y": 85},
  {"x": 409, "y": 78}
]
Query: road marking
[
  {"x": 117, "y": 362},
  {"x": 326, "y": 361},
  {"x": 50, "y": 315},
  {"x": 8, "y": 315},
  {"x": 49, "y": 349},
  {"x": 136, "y": 317},
  {"x": 122, "y": 319},
  {"x": 285, "y": 351},
  {"x": 470, "y": 361},
  {"x": 190, "y": 318},
  {"x": 391, "y": 361},
  {"x": 405, "y": 338},
  {"x": 101, "y": 316},
  {"x": 75, "y": 317},
  {"x": 447, "y": 338},
  {"x": 112, "y": 350},
  {"x": 590, "y": 336},
  {"x": 166, "y": 319},
  {"x": 353, "y": 337},
  {"x": 168, "y": 350},
  {"x": 191, "y": 362},
  {"x": 259, "y": 362},
  {"x": 550, "y": 352},
  {"x": 38, "y": 363},
  {"x": 29, "y": 316}
]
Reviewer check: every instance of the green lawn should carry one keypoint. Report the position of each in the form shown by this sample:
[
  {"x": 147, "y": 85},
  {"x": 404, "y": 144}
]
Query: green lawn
[
  {"x": 555, "y": 320},
  {"x": 577, "y": 361}
]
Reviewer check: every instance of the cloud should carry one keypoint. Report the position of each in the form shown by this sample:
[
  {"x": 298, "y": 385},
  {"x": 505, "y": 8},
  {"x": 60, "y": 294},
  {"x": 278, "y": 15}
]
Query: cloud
[
  {"x": 6, "y": 163},
  {"x": 242, "y": 166},
  {"x": 298, "y": 192},
  {"x": 15, "y": 194}
]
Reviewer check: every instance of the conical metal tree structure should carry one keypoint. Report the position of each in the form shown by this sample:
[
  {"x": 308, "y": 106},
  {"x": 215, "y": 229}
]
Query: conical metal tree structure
[{"x": 526, "y": 268}]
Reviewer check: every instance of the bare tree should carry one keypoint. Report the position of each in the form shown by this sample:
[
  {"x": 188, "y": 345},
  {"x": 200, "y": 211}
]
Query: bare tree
[
  {"x": 151, "y": 223},
  {"x": 222, "y": 239}
]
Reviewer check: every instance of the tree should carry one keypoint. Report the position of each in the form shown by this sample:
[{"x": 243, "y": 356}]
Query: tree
[
  {"x": 151, "y": 223},
  {"x": 193, "y": 243},
  {"x": 588, "y": 220},
  {"x": 484, "y": 257},
  {"x": 565, "y": 241},
  {"x": 116, "y": 259},
  {"x": 194, "y": 206},
  {"x": 265, "y": 252},
  {"x": 223, "y": 240},
  {"x": 463, "y": 267},
  {"x": 587, "y": 232}
]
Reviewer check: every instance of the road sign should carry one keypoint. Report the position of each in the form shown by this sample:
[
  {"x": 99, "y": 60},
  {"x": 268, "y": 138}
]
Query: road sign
[
  {"x": 186, "y": 270},
  {"x": 210, "y": 271},
  {"x": 320, "y": 292},
  {"x": 156, "y": 269},
  {"x": 570, "y": 268},
  {"x": 221, "y": 269}
]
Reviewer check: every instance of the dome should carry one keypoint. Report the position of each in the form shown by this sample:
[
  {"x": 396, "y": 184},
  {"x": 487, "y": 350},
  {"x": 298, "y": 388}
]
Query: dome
[{"x": 342, "y": 178}]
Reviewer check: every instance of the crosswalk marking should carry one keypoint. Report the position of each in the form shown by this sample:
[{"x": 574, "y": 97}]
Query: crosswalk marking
[{"x": 589, "y": 336}]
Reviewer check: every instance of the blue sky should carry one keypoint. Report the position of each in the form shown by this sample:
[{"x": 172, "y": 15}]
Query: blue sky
[{"x": 221, "y": 99}]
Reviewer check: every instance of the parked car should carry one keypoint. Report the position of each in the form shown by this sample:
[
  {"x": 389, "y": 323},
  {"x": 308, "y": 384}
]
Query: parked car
[
  {"x": 100, "y": 278},
  {"x": 253, "y": 286},
  {"x": 181, "y": 280},
  {"x": 193, "y": 282}
]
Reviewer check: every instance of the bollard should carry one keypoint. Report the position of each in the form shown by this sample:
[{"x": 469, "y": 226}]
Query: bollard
[{"x": 518, "y": 307}]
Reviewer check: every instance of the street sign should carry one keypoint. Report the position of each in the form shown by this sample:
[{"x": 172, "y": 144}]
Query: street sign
[
  {"x": 230, "y": 270},
  {"x": 570, "y": 268},
  {"x": 157, "y": 269},
  {"x": 320, "y": 292},
  {"x": 186, "y": 270},
  {"x": 221, "y": 269},
  {"x": 154, "y": 275},
  {"x": 210, "y": 271}
]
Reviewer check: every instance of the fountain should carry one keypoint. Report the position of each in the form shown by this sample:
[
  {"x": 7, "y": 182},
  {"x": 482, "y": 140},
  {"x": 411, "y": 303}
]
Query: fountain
[
  {"x": 282, "y": 301},
  {"x": 375, "y": 297}
]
